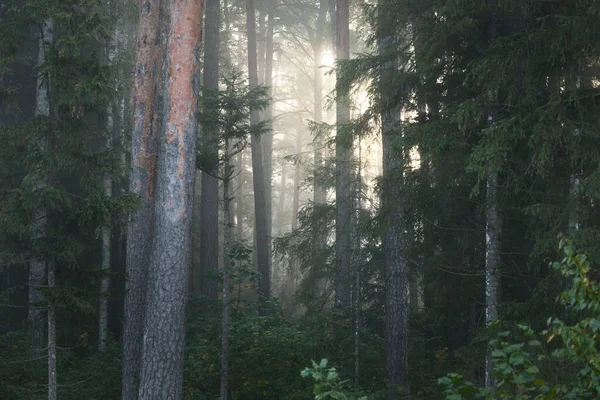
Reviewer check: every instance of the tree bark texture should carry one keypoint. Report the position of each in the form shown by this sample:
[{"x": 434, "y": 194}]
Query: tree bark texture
[
  {"x": 37, "y": 267},
  {"x": 144, "y": 151},
  {"x": 492, "y": 260},
  {"x": 259, "y": 8},
  {"x": 268, "y": 136},
  {"x": 111, "y": 125},
  {"x": 344, "y": 175},
  {"x": 297, "y": 181},
  {"x": 52, "y": 386},
  {"x": 281, "y": 199},
  {"x": 239, "y": 196},
  {"x": 396, "y": 268},
  {"x": 228, "y": 227},
  {"x": 164, "y": 330},
  {"x": 582, "y": 81},
  {"x": 263, "y": 257},
  {"x": 209, "y": 211},
  {"x": 492, "y": 235},
  {"x": 319, "y": 195}
]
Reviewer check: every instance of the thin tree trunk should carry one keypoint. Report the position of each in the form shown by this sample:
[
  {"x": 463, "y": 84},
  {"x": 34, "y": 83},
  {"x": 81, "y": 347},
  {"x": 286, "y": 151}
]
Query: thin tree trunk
[
  {"x": 281, "y": 205},
  {"x": 258, "y": 177},
  {"x": 37, "y": 267},
  {"x": 357, "y": 327},
  {"x": 268, "y": 136},
  {"x": 581, "y": 80},
  {"x": 113, "y": 47},
  {"x": 343, "y": 179},
  {"x": 226, "y": 276},
  {"x": 195, "y": 271},
  {"x": 240, "y": 198},
  {"x": 51, "y": 335},
  {"x": 297, "y": 177},
  {"x": 164, "y": 331},
  {"x": 319, "y": 194},
  {"x": 492, "y": 258},
  {"x": 209, "y": 228},
  {"x": 105, "y": 270},
  {"x": 492, "y": 240},
  {"x": 289, "y": 287},
  {"x": 144, "y": 149},
  {"x": 356, "y": 261}
]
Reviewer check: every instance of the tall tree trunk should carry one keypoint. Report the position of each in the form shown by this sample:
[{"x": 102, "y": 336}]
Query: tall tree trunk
[
  {"x": 297, "y": 178},
  {"x": 356, "y": 241},
  {"x": 396, "y": 316},
  {"x": 195, "y": 272},
  {"x": 333, "y": 22},
  {"x": 268, "y": 136},
  {"x": 37, "y": 267},
  {"x": 281, "y": 205},
  {"x": 52, "y": 386},
  {"x": 239, "y": 198},
  {"x": 260, "y": 40},
  {"x": 258, "y": 177},
  {"x": 492, "y": 236},
  {"x": 582, "y": 81},
  {"x": 228, "y": 226},
  {"x": 144, "y": 149},
  {"x": 344, "y": 176},
  {"x": 396, "y": 269},
  {"x": 492, "y": 260},
  {"x": 209, "y": 216},
  {"x": 164, "y": 330},
  {"x": 319, "y": 193},
  {"x": 111, "y": 125}
]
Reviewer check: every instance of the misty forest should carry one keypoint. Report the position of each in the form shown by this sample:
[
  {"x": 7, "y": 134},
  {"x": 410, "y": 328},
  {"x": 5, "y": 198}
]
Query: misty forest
[{"x": 299, "y": 199}]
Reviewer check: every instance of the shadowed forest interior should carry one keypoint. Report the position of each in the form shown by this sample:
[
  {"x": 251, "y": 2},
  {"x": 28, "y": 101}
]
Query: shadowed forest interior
[{"x": 299, "y": 199}]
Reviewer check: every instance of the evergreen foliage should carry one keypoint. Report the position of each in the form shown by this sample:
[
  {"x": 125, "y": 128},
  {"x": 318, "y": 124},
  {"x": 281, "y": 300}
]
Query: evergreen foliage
[{"x": 446, "y": 66}]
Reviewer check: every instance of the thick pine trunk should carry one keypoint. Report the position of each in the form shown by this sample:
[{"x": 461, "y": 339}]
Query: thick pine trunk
[
  {"x": 396, "y": 268},
  {"x": 209, "y": 212},
  {"x": 144, "y": 149},
  {"x": 344, "y": 176},
  {"x": 164, "y": 330},
  {"x": 258, "y": 177}
]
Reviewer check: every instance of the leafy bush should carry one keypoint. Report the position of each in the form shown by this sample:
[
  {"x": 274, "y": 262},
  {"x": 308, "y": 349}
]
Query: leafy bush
[
  {"x": 572, "y": 346},
  {"x": 328, "y": 383}
]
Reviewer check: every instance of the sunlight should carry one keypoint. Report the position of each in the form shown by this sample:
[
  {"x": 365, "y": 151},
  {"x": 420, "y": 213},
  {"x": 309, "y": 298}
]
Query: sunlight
[{"x": 327, "y": 58}]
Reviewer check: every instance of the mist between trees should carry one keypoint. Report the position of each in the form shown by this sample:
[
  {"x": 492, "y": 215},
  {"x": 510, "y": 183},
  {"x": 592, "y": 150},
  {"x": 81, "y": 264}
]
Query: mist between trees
[{"x": 298, "y": 199}]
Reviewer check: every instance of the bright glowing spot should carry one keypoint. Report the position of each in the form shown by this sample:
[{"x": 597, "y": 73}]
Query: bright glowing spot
[{"x": 327, "y": 58}]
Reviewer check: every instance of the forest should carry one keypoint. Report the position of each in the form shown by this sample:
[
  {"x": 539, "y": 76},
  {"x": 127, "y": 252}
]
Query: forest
[{"x": 299, "y": 199}]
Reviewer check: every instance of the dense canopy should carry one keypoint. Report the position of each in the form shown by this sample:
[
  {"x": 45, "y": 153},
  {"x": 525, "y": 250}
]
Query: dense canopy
[{"x": 297, "y": 199}]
